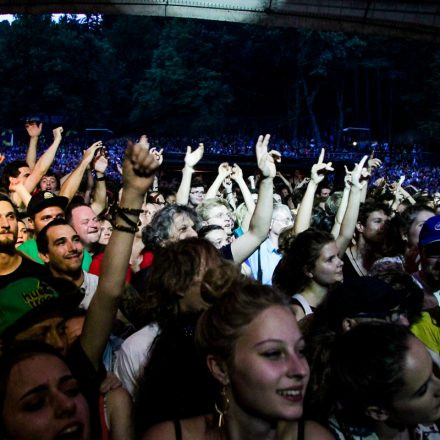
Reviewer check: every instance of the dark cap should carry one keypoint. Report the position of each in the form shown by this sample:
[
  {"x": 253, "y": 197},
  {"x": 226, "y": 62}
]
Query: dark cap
[
  {"x": 30, "y": 300},
  {"x": 364, "y": 295},
  {"x": 430, "y": 232},
  {"x": 43, "y": 200}
]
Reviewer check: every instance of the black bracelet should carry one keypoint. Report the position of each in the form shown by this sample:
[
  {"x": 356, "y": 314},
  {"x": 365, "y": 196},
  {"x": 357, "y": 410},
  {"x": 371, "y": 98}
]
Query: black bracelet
[
  {"x": 122, "y": 228},
  {"x": 124, "y": 217},
  {"x": 133, "y": 211},
  {"x": 100, "y": 179}
]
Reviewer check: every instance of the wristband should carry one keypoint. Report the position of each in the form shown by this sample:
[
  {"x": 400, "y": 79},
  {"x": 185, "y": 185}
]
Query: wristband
[{"x": 100, "y": 179}]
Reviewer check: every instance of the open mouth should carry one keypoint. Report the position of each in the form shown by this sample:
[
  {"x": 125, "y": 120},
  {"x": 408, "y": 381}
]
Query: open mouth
[
  {"x": 72, "y": 432},
  {"x": 293, "y": 395}
]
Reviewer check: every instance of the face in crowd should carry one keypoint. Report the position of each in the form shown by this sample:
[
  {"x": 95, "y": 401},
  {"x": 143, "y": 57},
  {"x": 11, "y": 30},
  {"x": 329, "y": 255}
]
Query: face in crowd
[{"x": 86, "y": 224}]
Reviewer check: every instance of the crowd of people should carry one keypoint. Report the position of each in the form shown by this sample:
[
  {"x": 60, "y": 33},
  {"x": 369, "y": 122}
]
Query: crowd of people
[{"x": 255, "y": 305}]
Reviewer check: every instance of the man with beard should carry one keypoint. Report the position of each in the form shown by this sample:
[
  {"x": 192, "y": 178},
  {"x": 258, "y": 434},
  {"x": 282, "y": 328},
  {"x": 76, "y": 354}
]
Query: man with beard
[
  {"x": 60, "y": 247},
  {"x": 370, "y": 236},
  {"x": 428, "y": 277},
  {"x": 14, "y": 265}
]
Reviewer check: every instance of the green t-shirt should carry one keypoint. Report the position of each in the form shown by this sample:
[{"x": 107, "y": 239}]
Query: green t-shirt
[{"x": 29, "y": 248}]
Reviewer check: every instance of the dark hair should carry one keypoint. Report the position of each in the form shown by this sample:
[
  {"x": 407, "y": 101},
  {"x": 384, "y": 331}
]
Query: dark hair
[
  {"x": 42, "y": 240},
  {"x": 12, "y": 355},
  {"x": 172, "y": 273},
  {"x": 5, "y": 198},
  {"x": 408, "y": 216},
  {"x": 11, "y": 169},
  {"x": 51, "y": 173},
  {"x": 367, "y": 364},
  {"x": 371, "y": 206},
  {"x": 159, "y": 228},
  {"x": 304, "y": 250}
]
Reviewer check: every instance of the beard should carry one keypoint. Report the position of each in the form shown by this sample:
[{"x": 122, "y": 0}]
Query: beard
[{"x": 7, "y": 242}]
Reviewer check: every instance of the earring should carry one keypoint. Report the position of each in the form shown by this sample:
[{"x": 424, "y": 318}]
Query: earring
[{"x": 222, "y": 413}]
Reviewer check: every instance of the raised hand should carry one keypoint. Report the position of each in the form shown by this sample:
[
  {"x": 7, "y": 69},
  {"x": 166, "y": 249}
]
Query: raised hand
[
  {"x": 320, "y": 168},
  {"x": 100, "y": 162},
  {"x": 266, "y": 159},
  {"x": 57, "y": 133},
  {"x": 236, "y": 173},
  {"x": 139, "y": 167},
  {"x": 193, "y": 157},
  {"x": 90, "y": 152},
  {"x": 158, "y": 154},
  {"x": 357, "y": 176},
  {"x": 373, "y": 163},
  {"x": 224, "y": 170}
]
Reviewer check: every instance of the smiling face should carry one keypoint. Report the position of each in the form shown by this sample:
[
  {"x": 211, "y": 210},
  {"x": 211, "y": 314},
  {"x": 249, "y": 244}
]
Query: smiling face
[
  {"x": 65, "y": 250},
  {"x": 270, "y": 373},
  {"x": 43, "y": 401},
  {"x": 418, "y": 401},
  {"x": 328, "y": 266},
  {"x": 86, "y": 224}
]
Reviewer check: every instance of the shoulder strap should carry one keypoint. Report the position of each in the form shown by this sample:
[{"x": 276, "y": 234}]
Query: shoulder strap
[
  {"x": 300, "y": 429},
  {"x": 303, "y": 303}
]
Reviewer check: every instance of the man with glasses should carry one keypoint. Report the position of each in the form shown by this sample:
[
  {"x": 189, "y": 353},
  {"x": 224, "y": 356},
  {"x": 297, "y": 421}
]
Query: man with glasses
[{"x": 264, "y": 260}]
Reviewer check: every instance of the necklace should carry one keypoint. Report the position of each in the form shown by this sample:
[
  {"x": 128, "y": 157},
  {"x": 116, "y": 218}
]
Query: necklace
[{"x": 360, "y": 271}]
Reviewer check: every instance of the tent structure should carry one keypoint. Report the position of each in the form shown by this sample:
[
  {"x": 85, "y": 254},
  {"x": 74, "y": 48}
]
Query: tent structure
[{"x": 404, "y": 18}]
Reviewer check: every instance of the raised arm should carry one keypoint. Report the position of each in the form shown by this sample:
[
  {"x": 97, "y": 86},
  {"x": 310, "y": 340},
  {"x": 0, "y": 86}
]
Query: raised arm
[
  {"x": 237, "y": 175},
  {"x": 71, "y": 184},
  {"x": 99, "y": 192},
  {"x": 34, "y": 132},
  {"x": 285, "y": 181},
  {"x": 304, "y": 214},
  {"x": 138, "y": 171},
  {"x": 191, "y": 160},
  {"x": 259, "y": 226},
  {"x": 351, "y": 213},
  {"x": 44, "y": 162},
  {"x": 224, "y": 171},
  {"x": 343, "y": 205}
]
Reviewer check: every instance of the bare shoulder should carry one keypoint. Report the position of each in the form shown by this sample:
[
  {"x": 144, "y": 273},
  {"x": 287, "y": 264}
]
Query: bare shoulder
[
  {"x": 193, "y": 428},
  {"x": 298, "y": 311},
  {"x": 315, "y": 431}
]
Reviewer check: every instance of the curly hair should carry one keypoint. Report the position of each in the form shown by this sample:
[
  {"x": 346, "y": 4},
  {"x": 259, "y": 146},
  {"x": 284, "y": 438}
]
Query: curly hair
[
  {"x": 159, "y": 228},
  {"x": 304, "y": 250}
]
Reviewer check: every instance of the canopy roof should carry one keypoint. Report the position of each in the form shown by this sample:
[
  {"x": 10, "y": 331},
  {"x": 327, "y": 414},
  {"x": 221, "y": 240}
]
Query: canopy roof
[{"x": 403, "y": 18}]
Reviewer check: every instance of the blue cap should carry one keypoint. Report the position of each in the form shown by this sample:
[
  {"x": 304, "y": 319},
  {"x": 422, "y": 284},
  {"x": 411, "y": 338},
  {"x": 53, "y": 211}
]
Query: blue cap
[{"x": 430, "y": 232}]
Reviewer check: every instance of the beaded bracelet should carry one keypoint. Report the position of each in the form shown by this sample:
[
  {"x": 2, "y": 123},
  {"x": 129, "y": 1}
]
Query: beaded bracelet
[
  {"x": 122, "y": 228},
  {"x": 122, "y": 212}
]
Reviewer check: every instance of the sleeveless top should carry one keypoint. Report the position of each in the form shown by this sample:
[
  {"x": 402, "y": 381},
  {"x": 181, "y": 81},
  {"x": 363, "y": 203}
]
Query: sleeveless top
[
  {"x": 298, "y": 299},
  {"x": 178, "y": 429}
]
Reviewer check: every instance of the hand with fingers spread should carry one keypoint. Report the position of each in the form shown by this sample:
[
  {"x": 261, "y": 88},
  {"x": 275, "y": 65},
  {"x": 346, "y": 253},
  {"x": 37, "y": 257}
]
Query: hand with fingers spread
[
  {"x": 100, "y": 162},
  {"x": 373, "y": 163},
  {"x": 90, "y": 152},
  {"x": 266, "y": 159},
  {"x": 320, "y": 168},
  {"x": 192, "y": 158}
]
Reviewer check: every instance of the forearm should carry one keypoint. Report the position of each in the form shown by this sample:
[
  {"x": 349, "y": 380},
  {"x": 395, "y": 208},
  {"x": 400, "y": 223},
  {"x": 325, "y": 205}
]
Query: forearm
[
  {"x": 182, "y": 195},
  {"x": 42, "y": 165},
  {"x": 340, "y": 213},
  {"x": 31, "y": 155},
  {"x": 304, "y": 215},
  {"x": 364, "y": 193},
  {"x": 99, "y": 195},
  {"x": 214, "y": 188},
  {"x": 286, "y": 182},
  {"x": 247, "y": 195},
  {"x": 349, "y": 222},
  {"x": 262, "y": 217},
  {"x": 73, "y": 181}
]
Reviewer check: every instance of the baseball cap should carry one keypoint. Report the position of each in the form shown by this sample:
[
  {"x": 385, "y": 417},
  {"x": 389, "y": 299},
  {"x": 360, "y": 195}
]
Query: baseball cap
[
  {"x": 430, "y": 232},
  {"x": 43, "y": 200},
  {"x": 364, "y": 296},
  {"x": 28, "y": 300}
]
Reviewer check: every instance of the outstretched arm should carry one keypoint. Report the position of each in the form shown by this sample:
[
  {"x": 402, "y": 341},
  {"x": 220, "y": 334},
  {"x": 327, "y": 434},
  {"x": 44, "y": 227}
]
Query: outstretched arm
[
  {"x": 44, "y": 162},
  {"x": 224, "y": 170},
  {"x": 343, "y": 205},
  {"x": 99, "y": 192},
  {"x": 351, "y": 213},
  {"x": 304, "y": 215},
  {"x": 71, "y": 184},
  {"x": 138, "y": 171},
  {"x": 34, "y": 132},
  {"x": 191, "y": 160},
  {"x": 245, "y": 245}
]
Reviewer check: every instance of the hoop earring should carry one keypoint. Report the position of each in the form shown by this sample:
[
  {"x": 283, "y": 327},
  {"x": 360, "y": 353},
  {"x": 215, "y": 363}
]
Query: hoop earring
[{"x": 222, "y": 412}]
